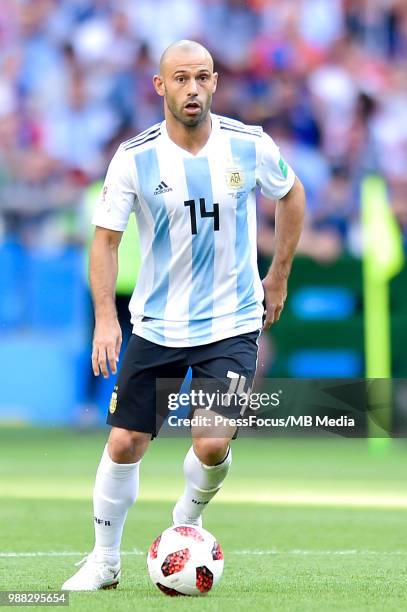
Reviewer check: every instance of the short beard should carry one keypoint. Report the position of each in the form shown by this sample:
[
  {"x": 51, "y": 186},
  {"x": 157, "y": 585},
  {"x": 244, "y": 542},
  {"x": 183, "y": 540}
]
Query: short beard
[{"x": 190, "y": 122}]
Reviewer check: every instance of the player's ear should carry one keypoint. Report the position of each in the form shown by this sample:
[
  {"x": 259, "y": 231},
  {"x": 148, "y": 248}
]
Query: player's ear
[
  {"x": 158, "y": 83},
  {"x": 215, "y": 81}
]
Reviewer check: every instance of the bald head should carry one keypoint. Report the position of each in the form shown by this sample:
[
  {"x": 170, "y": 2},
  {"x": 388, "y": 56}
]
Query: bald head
[
  {"x": 185, "y": 50},
  {"x": 187, "y": 82}
]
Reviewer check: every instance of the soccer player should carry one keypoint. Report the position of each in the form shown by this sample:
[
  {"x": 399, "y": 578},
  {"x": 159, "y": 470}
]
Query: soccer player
[{"x": 198, "y": 302}]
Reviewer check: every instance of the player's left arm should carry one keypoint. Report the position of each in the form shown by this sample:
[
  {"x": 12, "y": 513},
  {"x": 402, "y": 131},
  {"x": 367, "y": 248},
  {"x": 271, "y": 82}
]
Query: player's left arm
[{"x": 289, "y": 221}]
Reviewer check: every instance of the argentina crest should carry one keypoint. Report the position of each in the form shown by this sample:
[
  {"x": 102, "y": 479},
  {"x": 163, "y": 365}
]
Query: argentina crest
[
  {"x": 113, "y": 401},
  {"x": 235, "y": 178}
]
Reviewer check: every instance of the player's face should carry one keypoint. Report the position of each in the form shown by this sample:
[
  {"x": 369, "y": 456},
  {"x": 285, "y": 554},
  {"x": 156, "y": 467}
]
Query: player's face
[{"x": 188, "y": 86}]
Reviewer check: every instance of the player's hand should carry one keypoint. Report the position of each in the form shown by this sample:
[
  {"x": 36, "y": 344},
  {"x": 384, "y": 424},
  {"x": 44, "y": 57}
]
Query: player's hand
[
  {"x": 107, "y": 340},
  {"x": 275, "y": 293}
]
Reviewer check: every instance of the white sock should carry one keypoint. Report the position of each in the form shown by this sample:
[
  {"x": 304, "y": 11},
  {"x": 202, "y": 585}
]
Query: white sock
[
  {"x": 202, "y": 483},
  {"x": 115, "y": 491}
]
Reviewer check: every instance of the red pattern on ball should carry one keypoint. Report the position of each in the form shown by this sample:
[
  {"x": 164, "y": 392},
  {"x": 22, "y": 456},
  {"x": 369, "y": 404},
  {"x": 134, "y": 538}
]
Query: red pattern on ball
[
  {"x": 168, "y": 591},
  {"x": 217, "y": 553},
  {"x": 154, "y": 548},
  {"x": 204, "y": 579},
  {"x": 189, "y": 532},
  {"x": 175, "y": 562}
]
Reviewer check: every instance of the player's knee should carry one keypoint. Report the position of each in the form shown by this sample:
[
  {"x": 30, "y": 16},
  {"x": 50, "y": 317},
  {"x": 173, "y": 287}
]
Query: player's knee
[
  {"x": 210, "y": 451},
  {"x": 127, "y": 446}
]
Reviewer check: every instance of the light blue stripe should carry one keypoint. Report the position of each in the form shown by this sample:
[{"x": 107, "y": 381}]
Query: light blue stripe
[
  {"x": 244, "y": 151},
  {"x": 149, "y": 177},
  {"x": 199, "y": 185}
]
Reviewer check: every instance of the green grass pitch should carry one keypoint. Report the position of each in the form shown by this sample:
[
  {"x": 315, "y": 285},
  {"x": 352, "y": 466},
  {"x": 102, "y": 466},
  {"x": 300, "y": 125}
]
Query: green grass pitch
[{"x": 305, "y": 524}]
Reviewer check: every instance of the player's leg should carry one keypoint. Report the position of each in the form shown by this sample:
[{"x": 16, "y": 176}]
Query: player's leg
[
  {"x": 206, "y": 466},
  {"x": 132, "y": 414},
  {"x": 136, "y": 420},
  {"x": 208, "y": 461},
  {"x": 115, "y": 491},
  {"x": 116, "y": 488}
]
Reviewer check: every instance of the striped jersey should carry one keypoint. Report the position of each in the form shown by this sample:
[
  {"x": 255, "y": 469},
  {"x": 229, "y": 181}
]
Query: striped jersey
[{"x": 196, "y": 216}]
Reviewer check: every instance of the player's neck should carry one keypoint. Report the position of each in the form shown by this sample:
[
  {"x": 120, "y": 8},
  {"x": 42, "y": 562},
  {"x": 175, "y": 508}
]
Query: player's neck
[{"x": 191, "y": 139}]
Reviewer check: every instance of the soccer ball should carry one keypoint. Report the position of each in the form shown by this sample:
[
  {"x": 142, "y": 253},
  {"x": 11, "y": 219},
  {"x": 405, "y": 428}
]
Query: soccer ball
[{"x": 185, "y": 560}]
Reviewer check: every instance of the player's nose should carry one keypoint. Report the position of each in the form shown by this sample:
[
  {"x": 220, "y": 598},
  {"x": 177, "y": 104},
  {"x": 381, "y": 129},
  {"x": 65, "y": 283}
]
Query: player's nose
[{"x": 193, "y": 88}]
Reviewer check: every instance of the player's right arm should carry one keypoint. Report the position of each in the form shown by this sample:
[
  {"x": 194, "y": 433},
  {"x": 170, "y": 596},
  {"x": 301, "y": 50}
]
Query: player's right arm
[
  {"x": 110, "y": 218},
  {"x": 107, "y": 337}
]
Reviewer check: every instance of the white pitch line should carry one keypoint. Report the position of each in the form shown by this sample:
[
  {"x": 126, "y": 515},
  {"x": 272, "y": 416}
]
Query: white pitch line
[
  {"x": 300, "y": 552},
  {"x": 318, "y": 552},
  {"x": 61, "y": 553}
]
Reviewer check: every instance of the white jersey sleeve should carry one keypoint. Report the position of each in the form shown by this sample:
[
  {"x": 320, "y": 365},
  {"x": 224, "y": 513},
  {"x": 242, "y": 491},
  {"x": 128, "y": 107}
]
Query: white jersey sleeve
[
  {"x": 274, "y": 175},
  {"x": 118, "y": 195}
]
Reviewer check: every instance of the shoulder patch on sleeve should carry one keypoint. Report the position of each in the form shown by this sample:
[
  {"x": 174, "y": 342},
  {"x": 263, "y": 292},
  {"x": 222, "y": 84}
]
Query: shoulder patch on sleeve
[{"x": 283, "y": 167}]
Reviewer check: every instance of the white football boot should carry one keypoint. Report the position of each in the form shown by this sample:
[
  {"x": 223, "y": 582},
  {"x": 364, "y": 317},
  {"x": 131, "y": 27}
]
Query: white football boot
[
  {"x": 180, "y": 518},
  {"x": 94, "y": 574}
]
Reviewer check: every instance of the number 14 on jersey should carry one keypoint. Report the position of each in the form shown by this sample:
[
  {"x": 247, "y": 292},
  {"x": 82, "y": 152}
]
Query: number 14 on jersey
[{"x": 203, "y": 212}]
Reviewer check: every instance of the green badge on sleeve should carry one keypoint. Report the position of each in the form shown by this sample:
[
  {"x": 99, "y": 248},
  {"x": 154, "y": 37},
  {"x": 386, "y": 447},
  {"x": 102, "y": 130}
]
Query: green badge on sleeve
[{"x": 283, "y": 167}]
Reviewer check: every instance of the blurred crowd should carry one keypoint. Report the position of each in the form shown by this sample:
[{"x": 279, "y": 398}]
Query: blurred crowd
[{"x": 326, "y": 78}]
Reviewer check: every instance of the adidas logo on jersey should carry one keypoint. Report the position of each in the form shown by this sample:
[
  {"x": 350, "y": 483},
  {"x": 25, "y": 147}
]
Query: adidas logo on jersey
[{"x": 162, "y": 188}]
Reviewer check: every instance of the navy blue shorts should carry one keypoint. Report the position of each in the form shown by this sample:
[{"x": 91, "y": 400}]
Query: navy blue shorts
[{"x": 150, "y": 372}]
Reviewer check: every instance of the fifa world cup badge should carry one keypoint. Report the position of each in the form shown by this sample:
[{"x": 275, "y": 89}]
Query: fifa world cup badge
[{"x": 113, "y": 401}]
